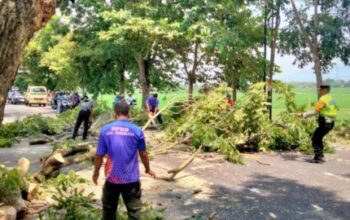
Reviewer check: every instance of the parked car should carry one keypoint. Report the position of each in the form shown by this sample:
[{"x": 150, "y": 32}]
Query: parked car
[
  {"x": 36, "y": 95},
  {"x": 17, "y": 98}
]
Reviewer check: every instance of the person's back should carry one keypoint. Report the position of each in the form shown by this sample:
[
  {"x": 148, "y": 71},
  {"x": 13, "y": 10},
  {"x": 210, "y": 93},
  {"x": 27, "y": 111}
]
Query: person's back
[
  {"x": 85, "y": 105},
  {"x": 123, "y": 140},
  {"x": 84, "y": 116},
  {"x": 130, "y": 100}
]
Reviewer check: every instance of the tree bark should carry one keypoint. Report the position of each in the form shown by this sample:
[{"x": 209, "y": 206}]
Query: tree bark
[
  {"x": 18, "y": 21},
  {"x": 190, "y": 89},
  {"x": 122, "y": 81},
  {"x": 234, "y": 85},
  {"x": 274, "y": 33},
  {"x": 143, "y": 77},
  {"x": 312, "y": 43},
  {"x": 317, "y": 63}
]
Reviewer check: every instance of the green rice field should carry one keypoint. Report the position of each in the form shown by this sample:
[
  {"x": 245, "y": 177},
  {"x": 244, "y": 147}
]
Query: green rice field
[{"x": 304, "y": 96}]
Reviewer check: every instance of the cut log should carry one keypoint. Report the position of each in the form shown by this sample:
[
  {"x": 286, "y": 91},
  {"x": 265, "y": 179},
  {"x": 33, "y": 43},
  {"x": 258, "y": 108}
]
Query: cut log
[
  {"x": 8, "y": 213},
  {"x": 55, "y": 158},
  {"x": 38, "y": 208},
  {"x": 23, "y": 165},
  {"x": 20, "y": 205},
  {"x": 66, "y": 157},
  {"x": 248, "y": 145},
  {"x": 33, "y": 190},
  {"x": 42, "y": 140}
]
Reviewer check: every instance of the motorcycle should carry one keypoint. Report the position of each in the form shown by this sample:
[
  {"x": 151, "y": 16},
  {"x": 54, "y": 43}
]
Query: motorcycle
[{"x": 66, "y": 104}]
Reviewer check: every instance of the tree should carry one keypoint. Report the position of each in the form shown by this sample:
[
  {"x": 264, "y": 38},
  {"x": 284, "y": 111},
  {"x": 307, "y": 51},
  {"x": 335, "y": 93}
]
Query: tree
[
  {"x": 58, "y": 60},
  {"x": 317, "y": 37},
  {"x": 236, "y": 38},
  {"x": 191, "y": 39},
  {"x": 44, "y": 40},
  {"x": 141, "y": 34},
  {"x": 18, "y": 21},
  {"x": 275, "y": 21}
]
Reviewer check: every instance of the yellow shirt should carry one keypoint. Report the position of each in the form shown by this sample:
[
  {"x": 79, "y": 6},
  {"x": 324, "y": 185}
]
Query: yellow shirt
[{"x": 326, "y": 106}]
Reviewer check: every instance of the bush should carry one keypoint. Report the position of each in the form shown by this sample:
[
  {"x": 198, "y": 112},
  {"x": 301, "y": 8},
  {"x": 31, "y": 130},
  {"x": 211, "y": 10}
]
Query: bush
[
  {"x": 11, "y": 185},
  {"x": 6, "y": 142},
  {"x": 214, "y": 125},
  {"x": 343, "y": 129},
  {"x": 72, "y": 203},
  {"x": 35, "y": 125}
]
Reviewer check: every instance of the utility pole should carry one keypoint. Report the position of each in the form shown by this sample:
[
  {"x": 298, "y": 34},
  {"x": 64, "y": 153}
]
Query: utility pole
[
  {"x": 265, "y": 41},
  {"x": 268, "y": 86}
]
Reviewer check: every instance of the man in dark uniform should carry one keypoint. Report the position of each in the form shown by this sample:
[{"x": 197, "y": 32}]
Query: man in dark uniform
[
  {"x": 327, "y": 111},
  {"x": 84, "y": 116}
]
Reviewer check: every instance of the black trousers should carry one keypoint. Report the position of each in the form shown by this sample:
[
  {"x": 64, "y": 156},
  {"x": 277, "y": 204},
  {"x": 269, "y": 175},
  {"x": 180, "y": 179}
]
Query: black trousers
[
  {"x": 83, "y": 116},
  {"x": 131, "y": 194},
  {"x": 159, "y": 117},
  {"x": 317, "y": 139}
]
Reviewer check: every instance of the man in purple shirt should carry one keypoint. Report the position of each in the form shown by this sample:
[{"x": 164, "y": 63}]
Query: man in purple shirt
[
  {"x": 121, "y": 141},
  {"x": 152, "y": 105}
]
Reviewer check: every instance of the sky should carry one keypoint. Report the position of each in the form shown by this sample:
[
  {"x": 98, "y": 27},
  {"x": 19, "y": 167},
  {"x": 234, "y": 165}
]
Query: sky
[{"x": 292, "y": 73}]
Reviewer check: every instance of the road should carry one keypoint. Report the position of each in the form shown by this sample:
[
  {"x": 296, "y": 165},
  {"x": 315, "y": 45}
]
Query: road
[
  {"x": 270, "y": 185},
  {"x": 14, "y": 112}
]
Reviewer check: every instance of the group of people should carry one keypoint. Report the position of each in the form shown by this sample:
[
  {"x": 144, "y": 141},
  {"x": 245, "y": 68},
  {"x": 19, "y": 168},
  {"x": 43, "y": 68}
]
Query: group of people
[
  {"x": 122, "y": 141},
  {"x": 129, "y": 100},
  {"x": 63, "y": 100}
]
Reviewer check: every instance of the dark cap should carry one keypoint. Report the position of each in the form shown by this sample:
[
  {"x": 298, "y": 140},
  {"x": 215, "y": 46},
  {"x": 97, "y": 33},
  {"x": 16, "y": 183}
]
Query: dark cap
[{"x": 325, "y": 87}]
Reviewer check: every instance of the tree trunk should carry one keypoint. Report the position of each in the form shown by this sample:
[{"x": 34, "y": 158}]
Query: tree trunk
[
  {"x": 274, "y": 33},
  {"x": 190, "y": 89},
  {"x": 312, "y": 43},
  {"x": 234, "y": 85},
  {"x": 192, "y": 75},
  {"x": 18, "y": 21},
  {"x": 317, "y": 63},
  {"x": 144, "y": 78},
  {"x": 94, "y": 97},
  {"x": 122, "y": 81}
]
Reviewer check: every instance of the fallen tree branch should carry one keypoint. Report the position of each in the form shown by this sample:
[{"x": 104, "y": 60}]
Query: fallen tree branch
[
  {"x": 249, "y": 141},
  {"x": 158, "y": 113},
  {"x": 174, "y": 172},
  {"x": 42, "y": 140}
]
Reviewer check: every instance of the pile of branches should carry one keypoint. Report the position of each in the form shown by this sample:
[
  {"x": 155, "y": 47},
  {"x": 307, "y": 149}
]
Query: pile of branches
[
  {"x": 210, "y": 122},
  {"x": 35, "y": 125},
  {"x": 343, "y": 129}
]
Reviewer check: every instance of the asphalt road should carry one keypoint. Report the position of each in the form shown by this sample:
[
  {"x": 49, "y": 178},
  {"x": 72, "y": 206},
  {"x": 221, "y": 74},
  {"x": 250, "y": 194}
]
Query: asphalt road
[
  {"x": 13, "y": 112},
  {"x": 271, "y": 185}
]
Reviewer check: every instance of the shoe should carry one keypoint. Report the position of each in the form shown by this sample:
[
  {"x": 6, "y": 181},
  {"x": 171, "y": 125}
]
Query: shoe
[{"x": 317, "y": 160}]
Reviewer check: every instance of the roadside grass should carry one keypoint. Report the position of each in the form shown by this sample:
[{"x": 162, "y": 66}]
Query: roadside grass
[{"x": 304, "y": 96}]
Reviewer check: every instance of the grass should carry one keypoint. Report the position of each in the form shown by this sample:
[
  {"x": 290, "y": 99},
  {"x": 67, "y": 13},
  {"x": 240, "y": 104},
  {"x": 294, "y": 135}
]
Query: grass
[{"x": 304, "y": 96}]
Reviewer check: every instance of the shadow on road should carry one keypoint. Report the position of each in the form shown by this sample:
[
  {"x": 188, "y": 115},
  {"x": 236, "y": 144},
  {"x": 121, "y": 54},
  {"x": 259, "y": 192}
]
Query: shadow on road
[{"x": 265, "y": 197}]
